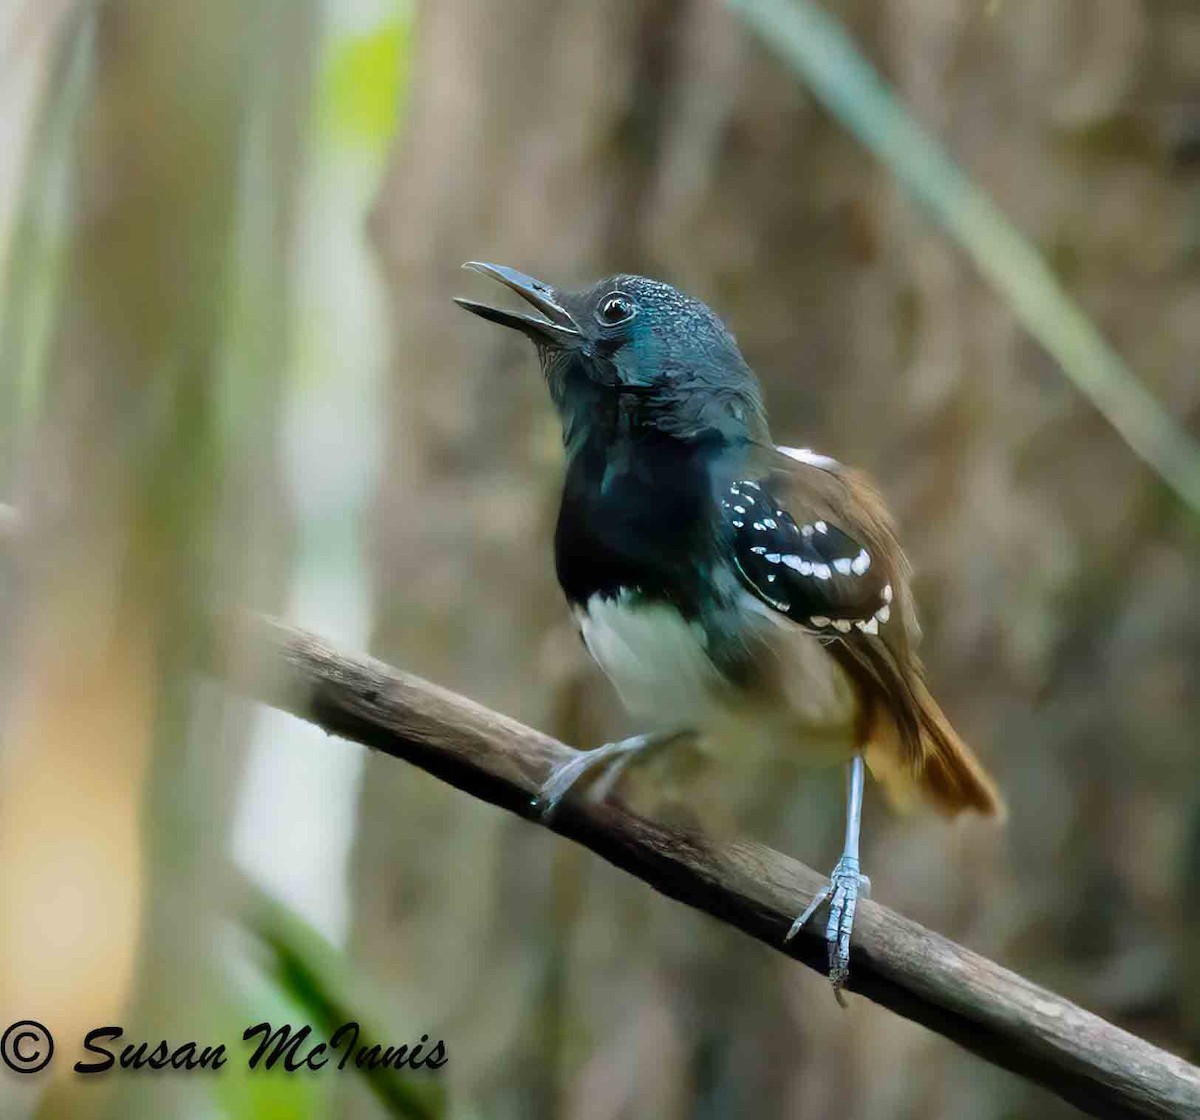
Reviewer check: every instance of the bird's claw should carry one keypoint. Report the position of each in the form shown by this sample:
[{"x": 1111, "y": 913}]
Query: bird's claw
[
  {"x": 613, "y": 757},
  {"x": 561, "y": 779},
  {"x": 845, "y": 886}
]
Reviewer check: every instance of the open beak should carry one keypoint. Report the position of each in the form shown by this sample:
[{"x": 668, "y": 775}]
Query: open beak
[{"x": 557, "y": 329}]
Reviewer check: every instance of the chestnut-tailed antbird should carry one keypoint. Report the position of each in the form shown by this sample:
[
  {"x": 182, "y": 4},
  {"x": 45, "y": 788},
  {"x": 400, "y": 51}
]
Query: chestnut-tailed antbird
[{"x": 728, "y": 587}]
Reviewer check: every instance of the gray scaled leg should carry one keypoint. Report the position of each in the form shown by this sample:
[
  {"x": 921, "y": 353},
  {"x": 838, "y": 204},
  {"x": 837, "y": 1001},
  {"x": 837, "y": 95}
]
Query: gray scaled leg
[
  {"x": 843, "y": 888},
  {"x": 612, "y": 757}
]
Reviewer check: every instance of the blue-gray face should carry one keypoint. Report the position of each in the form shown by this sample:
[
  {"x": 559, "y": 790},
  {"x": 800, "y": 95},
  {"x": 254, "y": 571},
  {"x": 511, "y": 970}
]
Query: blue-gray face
[
  {"x": 632, "y": 353},
  {"x": 673, "y": 362},
  {"x": 641, "y": 333}
]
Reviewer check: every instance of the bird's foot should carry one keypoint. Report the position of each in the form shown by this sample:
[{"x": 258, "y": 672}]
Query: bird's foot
[
  {"x": 843, "y": 890},
  {"x": 612, "y": 758}
]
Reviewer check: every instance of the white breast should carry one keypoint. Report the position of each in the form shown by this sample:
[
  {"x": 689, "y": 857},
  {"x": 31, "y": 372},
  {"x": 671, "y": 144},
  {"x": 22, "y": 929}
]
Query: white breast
[{"x": 657, "y": 660}]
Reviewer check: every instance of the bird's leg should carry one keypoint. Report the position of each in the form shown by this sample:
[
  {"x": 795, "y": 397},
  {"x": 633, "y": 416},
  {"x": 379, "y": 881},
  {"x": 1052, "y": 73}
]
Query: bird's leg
[
  {"x": 613, "y": 757},
  {"x": 843, "y": 888}
]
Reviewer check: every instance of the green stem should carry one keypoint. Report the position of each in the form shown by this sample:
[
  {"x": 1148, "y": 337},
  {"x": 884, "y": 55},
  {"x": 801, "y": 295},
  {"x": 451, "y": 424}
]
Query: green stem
[{"x": 818, "y": 48}]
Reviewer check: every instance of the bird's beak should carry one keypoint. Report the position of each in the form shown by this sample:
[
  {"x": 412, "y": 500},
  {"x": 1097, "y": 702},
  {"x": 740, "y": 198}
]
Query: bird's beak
[{"x": 557, "y": 329}]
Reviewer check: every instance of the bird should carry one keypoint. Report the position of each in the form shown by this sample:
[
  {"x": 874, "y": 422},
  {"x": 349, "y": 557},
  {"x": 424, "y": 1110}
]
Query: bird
[{"x": 729, "y": 587}]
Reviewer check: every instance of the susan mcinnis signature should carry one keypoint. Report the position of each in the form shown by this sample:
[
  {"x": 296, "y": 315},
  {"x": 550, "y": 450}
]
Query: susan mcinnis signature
[{"x": 27, "y": 1046}]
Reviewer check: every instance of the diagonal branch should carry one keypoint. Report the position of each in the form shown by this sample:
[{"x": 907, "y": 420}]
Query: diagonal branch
[{"x": 918, "y": 974}]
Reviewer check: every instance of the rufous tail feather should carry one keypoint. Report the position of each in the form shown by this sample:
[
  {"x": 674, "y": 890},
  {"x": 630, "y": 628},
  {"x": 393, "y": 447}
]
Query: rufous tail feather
[{"x": 947, "y": 774}]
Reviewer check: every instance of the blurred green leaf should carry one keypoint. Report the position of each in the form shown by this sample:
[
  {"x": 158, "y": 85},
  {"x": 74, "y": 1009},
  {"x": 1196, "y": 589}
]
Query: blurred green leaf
[
  {"x": 268, "y": 1094},
  {"x": 311, "y": 973},
  {"x": 364, "y": 84},
  {"x": 33, "y": 272},
  {"x": 818, "y": 48}
]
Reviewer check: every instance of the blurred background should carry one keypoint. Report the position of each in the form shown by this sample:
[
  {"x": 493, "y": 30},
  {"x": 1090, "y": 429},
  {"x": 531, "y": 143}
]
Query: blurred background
[{"x": 231, "y": 374}]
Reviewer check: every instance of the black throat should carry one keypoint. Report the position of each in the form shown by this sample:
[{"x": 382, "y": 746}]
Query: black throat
[{"x": 638, "y": 513}]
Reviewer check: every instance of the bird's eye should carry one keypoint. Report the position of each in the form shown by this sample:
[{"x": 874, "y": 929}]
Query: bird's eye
[{"x": 615, "y": 309}]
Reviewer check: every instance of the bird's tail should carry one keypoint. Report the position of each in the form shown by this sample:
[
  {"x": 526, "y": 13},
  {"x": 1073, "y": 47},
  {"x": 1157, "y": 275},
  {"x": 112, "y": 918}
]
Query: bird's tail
[
  {"x": 952, "y": 777},
  {"x": 946, "y": 774}
]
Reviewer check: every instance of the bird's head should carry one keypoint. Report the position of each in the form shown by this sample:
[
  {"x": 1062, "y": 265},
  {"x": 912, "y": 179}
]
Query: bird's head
[{"x": 635, "y": 351}]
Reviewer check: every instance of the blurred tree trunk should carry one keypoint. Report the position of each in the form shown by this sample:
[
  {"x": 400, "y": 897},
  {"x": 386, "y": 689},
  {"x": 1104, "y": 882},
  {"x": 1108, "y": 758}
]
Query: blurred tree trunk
[
  {"x": 150, "y": 499},
  {"x": 572, "y": 140}
]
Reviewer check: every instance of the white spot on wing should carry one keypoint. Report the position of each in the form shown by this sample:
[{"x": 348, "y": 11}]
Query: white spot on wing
[
  {"x": 861, "y": 562},
  {"x": 843, "y": 565},
  {"x": 804, "y": 455}
]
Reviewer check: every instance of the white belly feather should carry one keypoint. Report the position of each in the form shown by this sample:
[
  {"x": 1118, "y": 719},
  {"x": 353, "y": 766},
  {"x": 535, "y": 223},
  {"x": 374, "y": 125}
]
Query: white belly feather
[
  {"x": 659, "y": 664},
  {"x": 657, "y": 661}
]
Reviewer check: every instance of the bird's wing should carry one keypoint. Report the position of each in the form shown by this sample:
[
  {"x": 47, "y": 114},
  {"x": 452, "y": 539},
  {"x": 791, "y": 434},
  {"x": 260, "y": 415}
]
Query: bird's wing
[{"x": 813, "y": 540}]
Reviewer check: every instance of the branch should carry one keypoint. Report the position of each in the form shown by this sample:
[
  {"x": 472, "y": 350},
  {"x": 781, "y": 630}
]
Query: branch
[
  {"x": 919, "y": 974},
  {"x": 897, "y": 963}
]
